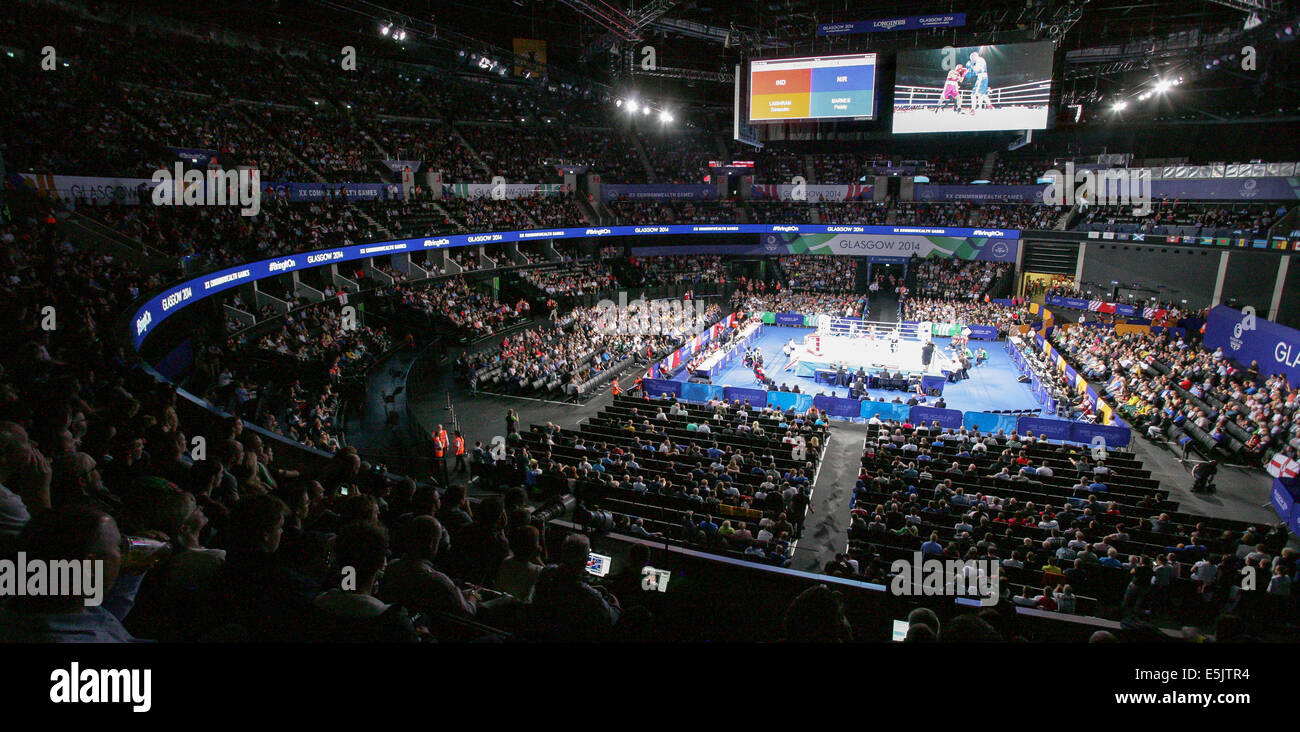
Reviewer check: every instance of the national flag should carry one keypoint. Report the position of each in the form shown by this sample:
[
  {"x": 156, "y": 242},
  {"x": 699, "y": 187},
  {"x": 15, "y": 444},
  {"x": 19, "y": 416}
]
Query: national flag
[{"x": 1282, "y": 466}]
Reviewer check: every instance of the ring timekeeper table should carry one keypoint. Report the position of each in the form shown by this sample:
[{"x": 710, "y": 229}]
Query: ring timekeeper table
[{"x": 720, "y": 360}]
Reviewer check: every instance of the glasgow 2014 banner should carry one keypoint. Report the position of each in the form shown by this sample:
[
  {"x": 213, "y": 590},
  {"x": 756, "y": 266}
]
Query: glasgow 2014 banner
[
  {"x": 1246, "y": 338},
  {"x": 97, "y": 191},
  {"x": 995, "y": 245},
  {"x": 883, "y": 25},
  {"x": 811, "y": 193}
]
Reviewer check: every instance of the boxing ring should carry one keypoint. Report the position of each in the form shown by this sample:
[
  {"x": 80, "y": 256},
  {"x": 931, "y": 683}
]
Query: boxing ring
[
  {"x": 870, "y": 346},
  {"x": 1015, "y": 106}
]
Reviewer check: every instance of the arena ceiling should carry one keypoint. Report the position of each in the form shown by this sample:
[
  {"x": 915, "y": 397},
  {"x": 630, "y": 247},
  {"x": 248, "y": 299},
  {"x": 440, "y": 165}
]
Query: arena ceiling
[{"x": 1106, "y": 48}]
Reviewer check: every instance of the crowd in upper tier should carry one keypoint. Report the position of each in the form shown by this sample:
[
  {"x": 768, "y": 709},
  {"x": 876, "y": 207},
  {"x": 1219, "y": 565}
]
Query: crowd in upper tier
[{"x": 957, "y": 279}]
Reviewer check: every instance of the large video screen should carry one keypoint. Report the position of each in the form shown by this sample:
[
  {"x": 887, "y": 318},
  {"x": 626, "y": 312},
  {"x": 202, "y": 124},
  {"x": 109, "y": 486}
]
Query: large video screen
[
  {"x": 818, "y": 87},
  {"x": 974, "y": 88}
]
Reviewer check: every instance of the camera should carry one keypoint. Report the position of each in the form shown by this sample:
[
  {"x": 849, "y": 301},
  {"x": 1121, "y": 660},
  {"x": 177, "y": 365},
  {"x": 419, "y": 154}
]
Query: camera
[
  {"x": 594, "y": 519},
  {"x": 553, "y": 509}
]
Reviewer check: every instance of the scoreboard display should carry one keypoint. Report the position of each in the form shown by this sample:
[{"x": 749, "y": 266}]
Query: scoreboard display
[{"x": 816, "y": 87}]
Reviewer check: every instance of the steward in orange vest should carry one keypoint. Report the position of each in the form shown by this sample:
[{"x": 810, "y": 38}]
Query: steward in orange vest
[{"x": 458, "y": 449}]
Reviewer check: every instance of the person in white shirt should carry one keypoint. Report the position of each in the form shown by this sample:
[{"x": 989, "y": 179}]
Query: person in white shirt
[
  {"x": 1066, "y": 602},
  {"x": 1280, "y": 585},
  {"x": 26, "y": 469},
  {"x": 1205, "y": 572}
]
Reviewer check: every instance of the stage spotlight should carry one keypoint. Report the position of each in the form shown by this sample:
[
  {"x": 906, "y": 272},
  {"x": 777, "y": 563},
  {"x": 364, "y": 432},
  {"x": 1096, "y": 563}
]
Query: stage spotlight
[
  {"x": 1162, "y": 86},
  {"x": 645, "y": 109},
  {"x": 618, "y": 102},
  {"x": 1119, "y": 106},
  {"x": 632, "y": 106},
  {"x": 385, "y": 28},
  {"x": 664, "y": 116}
]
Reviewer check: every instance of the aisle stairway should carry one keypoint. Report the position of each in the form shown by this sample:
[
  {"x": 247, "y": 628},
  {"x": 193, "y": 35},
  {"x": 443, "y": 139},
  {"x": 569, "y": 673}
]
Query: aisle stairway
[{"x": 827, "y": 524}]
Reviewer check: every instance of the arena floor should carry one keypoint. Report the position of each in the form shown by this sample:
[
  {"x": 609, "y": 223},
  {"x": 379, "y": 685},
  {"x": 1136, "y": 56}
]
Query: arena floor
[{"x": 991, "y": 386}]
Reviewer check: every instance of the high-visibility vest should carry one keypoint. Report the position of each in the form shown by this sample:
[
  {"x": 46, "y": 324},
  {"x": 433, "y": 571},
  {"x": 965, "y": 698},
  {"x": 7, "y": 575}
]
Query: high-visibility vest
[
  {"x": 439, "y": 443},
  {"x": 614, "y": 389},
  {"x": 458, "y": 445}
]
